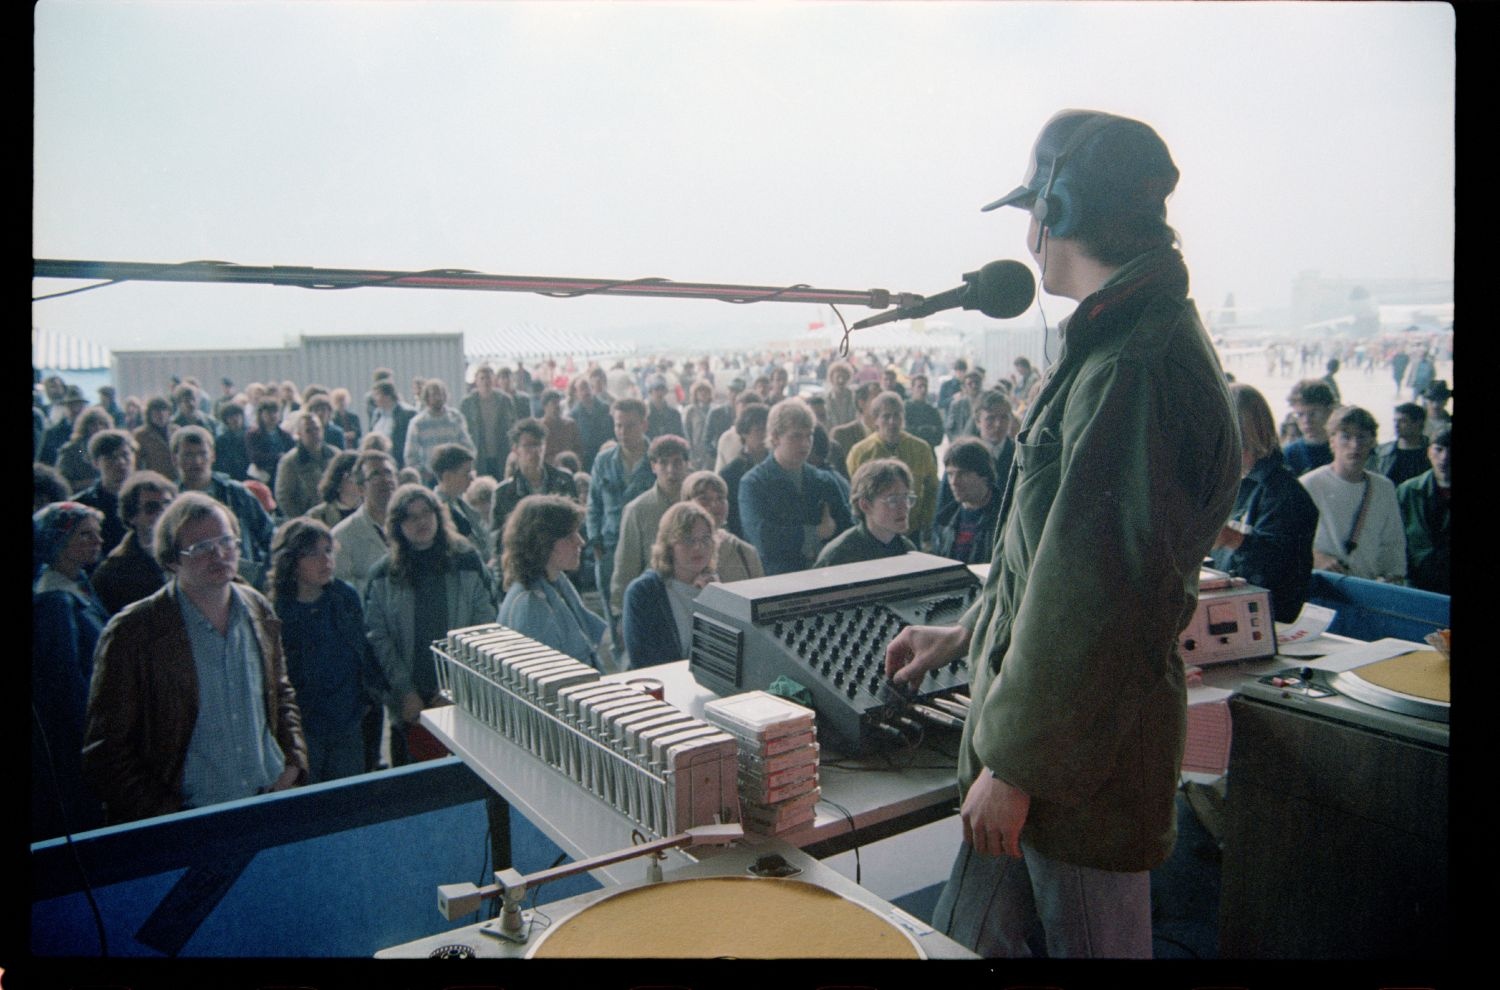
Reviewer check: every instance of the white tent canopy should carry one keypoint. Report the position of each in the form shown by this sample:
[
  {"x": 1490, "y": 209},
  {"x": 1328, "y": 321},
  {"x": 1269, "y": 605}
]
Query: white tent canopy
[
  {"x": 528, "y": 342},
  {"x": 61, "y": 352}
]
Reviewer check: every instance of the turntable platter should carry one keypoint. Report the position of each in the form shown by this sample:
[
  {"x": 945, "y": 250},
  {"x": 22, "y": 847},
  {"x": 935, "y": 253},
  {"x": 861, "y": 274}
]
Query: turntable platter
[
  {"x": 726, "y": 917},
  {"x": 1423, "y": 674},
  {"x": 1414, "y": 684}
]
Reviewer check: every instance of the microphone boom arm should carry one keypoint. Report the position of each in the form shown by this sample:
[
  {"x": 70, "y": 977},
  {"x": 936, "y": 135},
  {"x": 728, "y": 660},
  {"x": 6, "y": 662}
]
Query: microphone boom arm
[{"x": 308, "y": 277}]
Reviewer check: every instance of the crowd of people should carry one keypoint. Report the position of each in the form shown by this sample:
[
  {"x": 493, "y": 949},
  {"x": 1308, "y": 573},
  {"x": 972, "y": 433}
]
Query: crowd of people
[
  {"x": 1318, "y": 492},
  {"x": 583, "y": 506}
]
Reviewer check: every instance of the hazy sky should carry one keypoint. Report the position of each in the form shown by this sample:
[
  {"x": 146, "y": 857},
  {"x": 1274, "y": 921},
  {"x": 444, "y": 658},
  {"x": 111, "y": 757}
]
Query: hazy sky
[{"x": 844, "y": 145}]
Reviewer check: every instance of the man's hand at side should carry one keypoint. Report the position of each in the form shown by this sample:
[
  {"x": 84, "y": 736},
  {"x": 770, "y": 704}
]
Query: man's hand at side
[
  {"x": 411, "y": 707},
  {"x": 993, "y": 814}
]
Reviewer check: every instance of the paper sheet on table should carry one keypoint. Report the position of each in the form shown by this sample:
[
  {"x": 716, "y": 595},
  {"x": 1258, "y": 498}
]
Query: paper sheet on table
[
  {"x": 1208, "y": 731},
  {"x": 1302, "y": 637},
  {"x": 1358, "y": 654}
]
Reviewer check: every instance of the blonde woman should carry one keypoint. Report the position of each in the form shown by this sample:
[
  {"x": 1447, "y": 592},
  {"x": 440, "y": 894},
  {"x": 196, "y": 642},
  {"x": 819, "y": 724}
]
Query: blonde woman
[{"x": 735, "y": 559}]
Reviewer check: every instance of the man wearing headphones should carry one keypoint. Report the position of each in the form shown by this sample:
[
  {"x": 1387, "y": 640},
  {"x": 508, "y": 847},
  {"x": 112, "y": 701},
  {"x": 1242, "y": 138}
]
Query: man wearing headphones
[{"x": 1125, "y": 469}]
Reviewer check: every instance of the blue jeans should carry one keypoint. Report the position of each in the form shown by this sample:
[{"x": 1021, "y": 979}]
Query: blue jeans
[
  {"x": 991, "y": 904},
  {"x": 604, "y": 571},
  {"x": 330, "y": 757}
]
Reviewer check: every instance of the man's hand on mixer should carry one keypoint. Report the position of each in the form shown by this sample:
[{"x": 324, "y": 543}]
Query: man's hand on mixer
[{"x": 918, "y": 649}]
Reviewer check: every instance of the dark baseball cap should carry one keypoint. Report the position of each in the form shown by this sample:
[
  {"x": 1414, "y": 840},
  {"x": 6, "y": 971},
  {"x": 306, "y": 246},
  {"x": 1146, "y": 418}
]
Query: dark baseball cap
[{"x": 1134, "y": 152}]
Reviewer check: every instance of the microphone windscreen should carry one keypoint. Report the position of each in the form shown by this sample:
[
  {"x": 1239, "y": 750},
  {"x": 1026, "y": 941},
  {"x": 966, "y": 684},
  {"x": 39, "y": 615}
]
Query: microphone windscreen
[{"x": 1004, "y": 289}]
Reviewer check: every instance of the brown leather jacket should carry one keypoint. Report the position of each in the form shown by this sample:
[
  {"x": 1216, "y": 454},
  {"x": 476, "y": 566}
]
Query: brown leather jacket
[{"x": 143, "y": 703}]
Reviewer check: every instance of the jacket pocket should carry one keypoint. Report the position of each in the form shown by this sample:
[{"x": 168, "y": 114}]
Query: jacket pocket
[{"x": 1038, "y": 475}]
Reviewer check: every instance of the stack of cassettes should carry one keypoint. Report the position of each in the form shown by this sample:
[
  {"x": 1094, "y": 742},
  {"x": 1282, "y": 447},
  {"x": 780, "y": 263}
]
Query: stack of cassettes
[
  {"x": 649, "y": 759},
  {"x": 508, "y": 681},
  {"x": 778, "y": 759}
]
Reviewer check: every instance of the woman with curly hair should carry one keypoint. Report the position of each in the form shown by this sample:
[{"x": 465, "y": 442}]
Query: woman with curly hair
[
  {"x": 431, "y": 581},
  {"x": 327, "y": 655},
  {"x": 338, "y": 490},
  {"x": 542, "y": 544},
  {"x": 659, "y": 603}
]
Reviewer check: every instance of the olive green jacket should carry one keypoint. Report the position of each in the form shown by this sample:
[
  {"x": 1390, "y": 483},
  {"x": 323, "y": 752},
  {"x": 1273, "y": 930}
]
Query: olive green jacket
[{"x": 1125, "y": 470}]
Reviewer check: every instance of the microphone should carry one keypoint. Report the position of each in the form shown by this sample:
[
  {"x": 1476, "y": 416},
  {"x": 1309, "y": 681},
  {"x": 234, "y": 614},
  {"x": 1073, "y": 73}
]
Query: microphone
[{"x": 1001, "y": 289}]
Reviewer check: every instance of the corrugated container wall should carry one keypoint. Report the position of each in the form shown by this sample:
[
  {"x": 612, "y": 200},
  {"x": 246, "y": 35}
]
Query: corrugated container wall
[
  {"x": 351, "y": 360},
  {"x": 997, "y": 350},
  {"x": 335, "y": 361}
]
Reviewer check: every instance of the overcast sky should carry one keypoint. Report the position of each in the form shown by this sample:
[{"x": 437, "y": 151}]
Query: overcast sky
[{"x": 844, "y": 145}]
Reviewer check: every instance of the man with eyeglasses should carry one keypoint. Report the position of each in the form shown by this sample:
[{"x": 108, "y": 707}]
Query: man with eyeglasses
[
  {"x": 360, "y": 540},
  {"x": 131, "y": 572},
  {"x": 880, "y": 495},
  {"x": 190, "y": 704},
  {"x": 359, "y": 543}
]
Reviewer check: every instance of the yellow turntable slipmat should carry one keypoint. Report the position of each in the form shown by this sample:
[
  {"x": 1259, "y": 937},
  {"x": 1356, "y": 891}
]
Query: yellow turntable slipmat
[
  {"x": 718, "y": 917},
  {"x": 1423, "y": 674}
]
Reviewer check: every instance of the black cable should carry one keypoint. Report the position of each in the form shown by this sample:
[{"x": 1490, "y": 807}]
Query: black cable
[
  {"x": 388, "y": 279},
  {"x": 86, "y": 288},
  {"x": 485, "y": 873},
  {"x": 843, "y": 344},
  {"x": 117, "y": 281},
  {"x": 775, "y": 295},
  {"x": 536, "y": 912},
  {"x": 852, "y": 831},
  {"x": 88, "y": 888},
  {"x": 648, "y": 280},
  {"x": 1046, "y": 331},
  {"x": 555, "y": 864}
]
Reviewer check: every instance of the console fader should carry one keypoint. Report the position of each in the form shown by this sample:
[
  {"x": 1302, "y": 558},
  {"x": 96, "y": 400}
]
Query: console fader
[{"x": 827, "y": 629}]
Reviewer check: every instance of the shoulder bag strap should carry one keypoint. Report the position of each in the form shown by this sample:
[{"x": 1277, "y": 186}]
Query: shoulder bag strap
[{"x": 1359, "y": 519}]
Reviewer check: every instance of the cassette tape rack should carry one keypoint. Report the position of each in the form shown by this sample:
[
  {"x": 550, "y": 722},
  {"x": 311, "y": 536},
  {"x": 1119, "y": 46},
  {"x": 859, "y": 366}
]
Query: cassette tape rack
[{"x": 660, "y": 767}]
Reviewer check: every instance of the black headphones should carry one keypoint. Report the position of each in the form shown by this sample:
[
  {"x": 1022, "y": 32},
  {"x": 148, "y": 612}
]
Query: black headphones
[{"x": 1057, "y": 207}]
